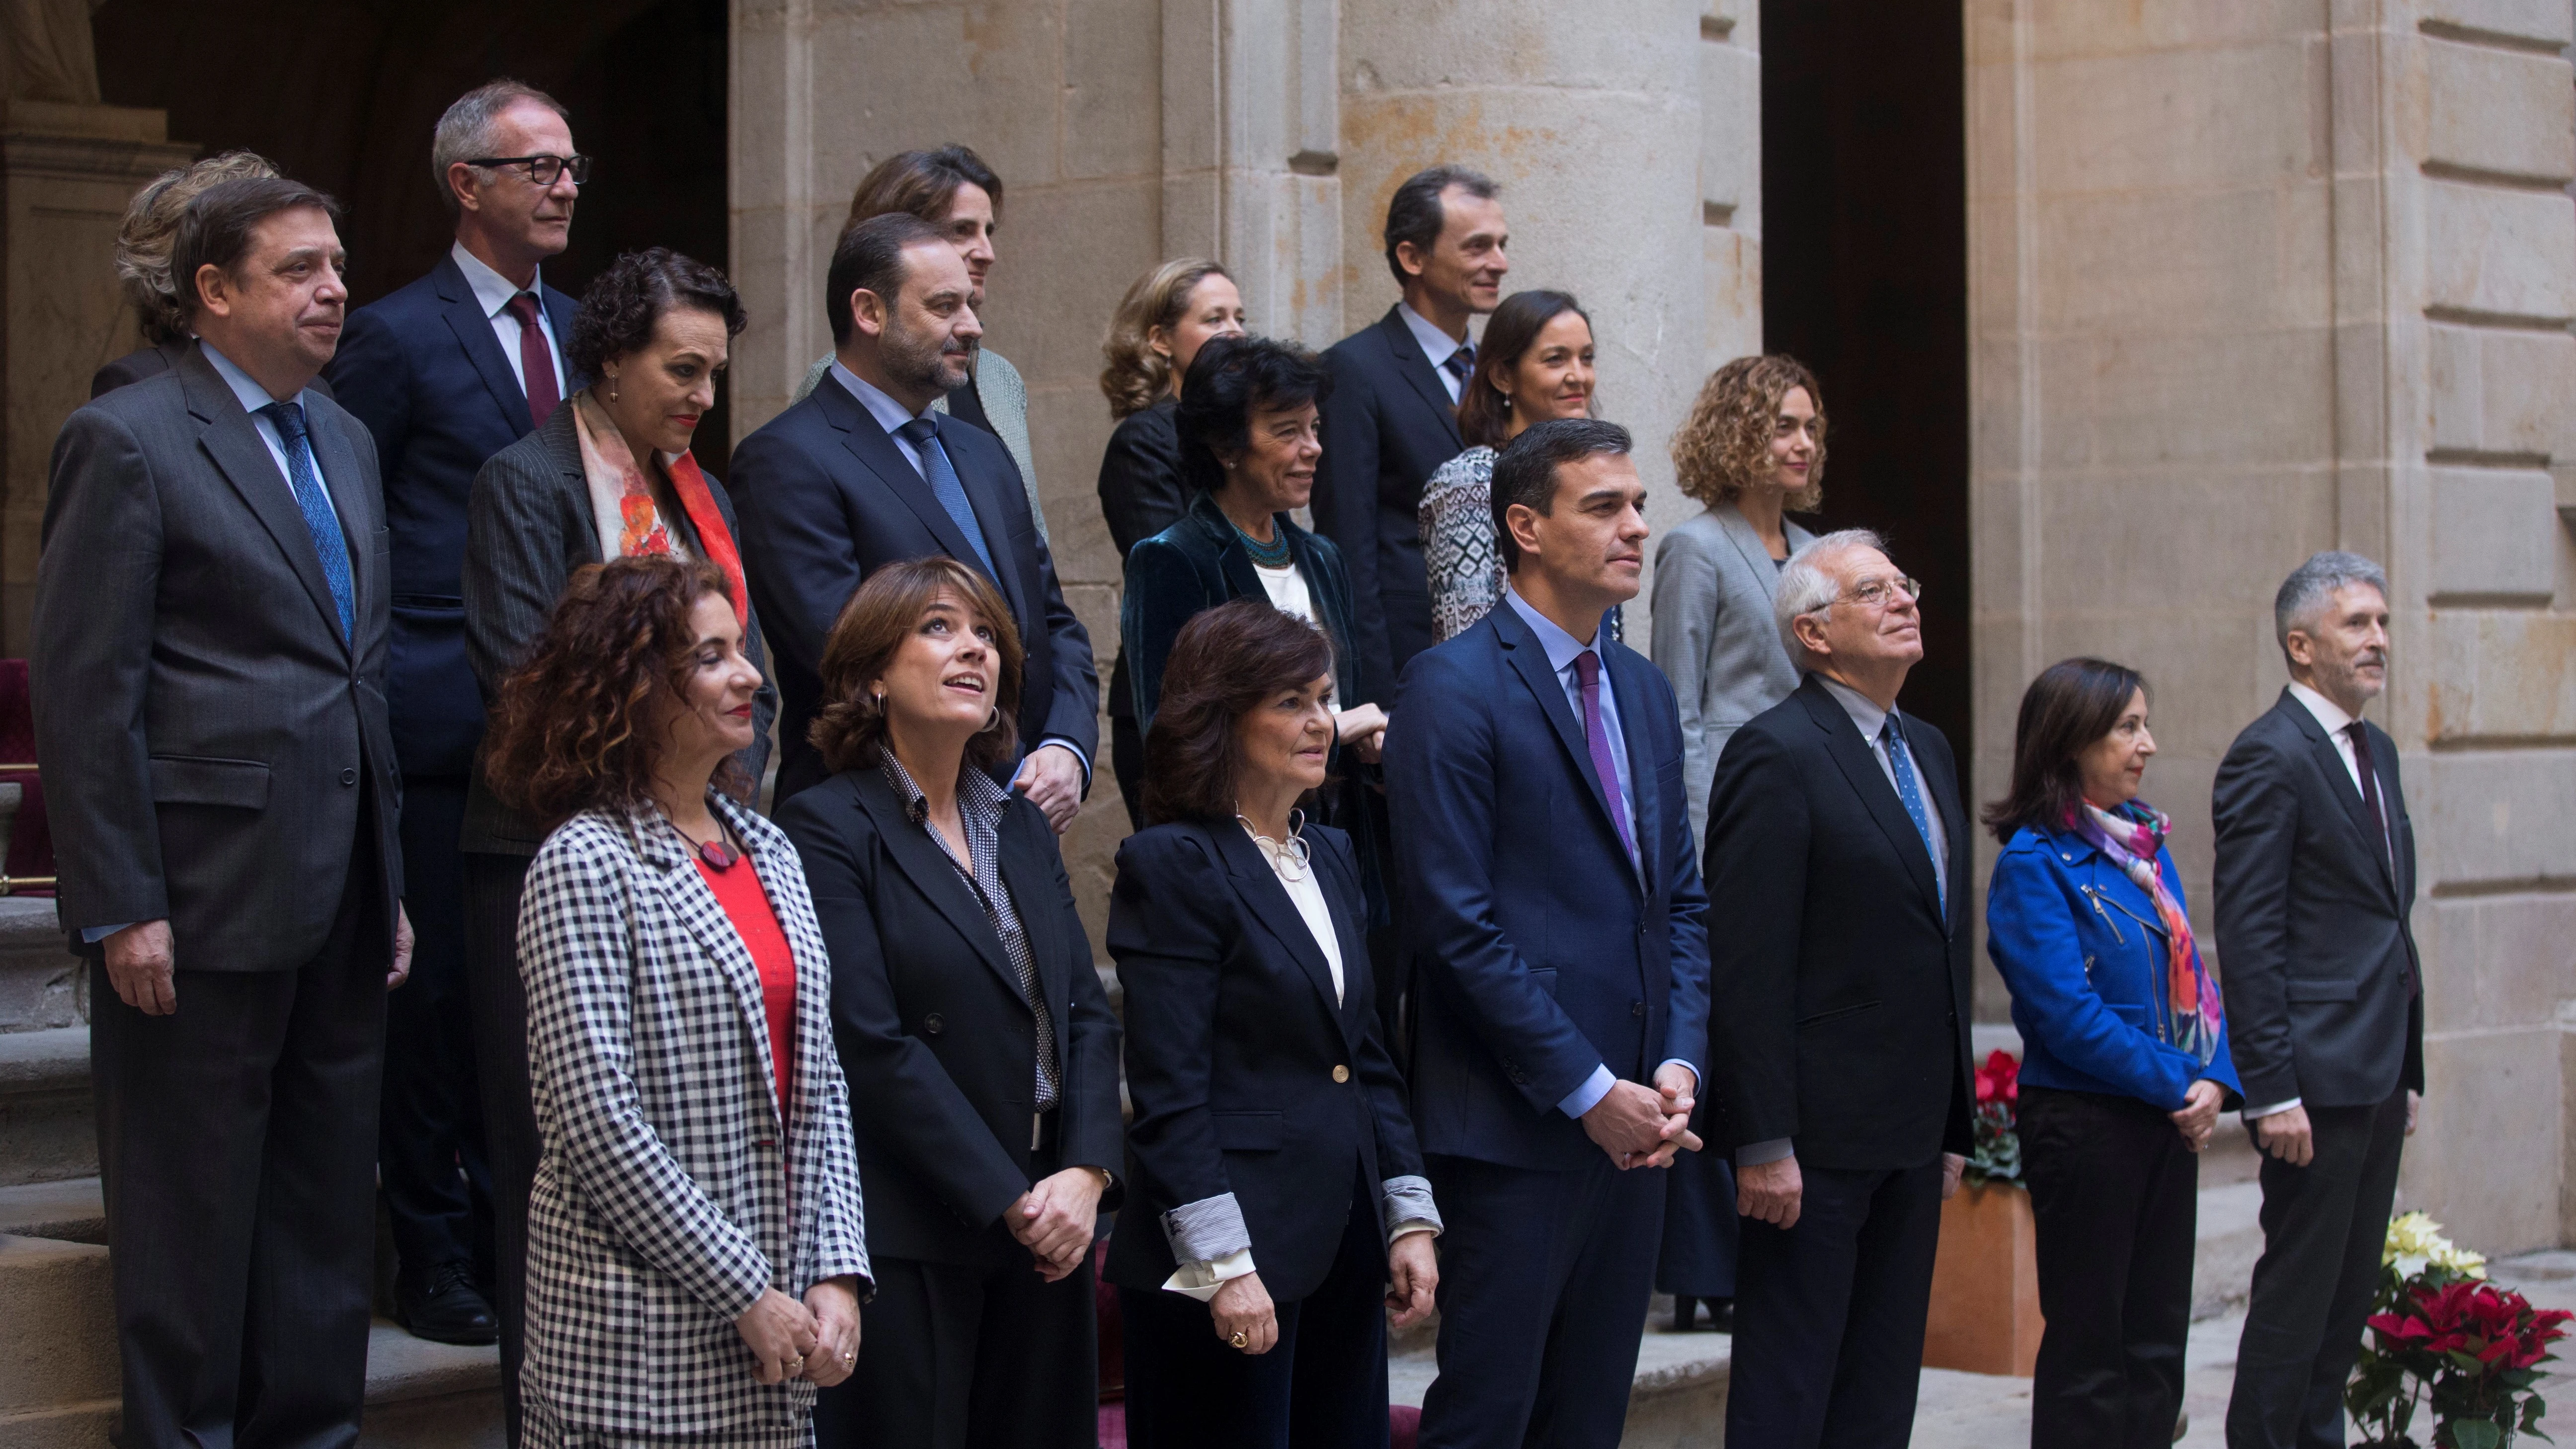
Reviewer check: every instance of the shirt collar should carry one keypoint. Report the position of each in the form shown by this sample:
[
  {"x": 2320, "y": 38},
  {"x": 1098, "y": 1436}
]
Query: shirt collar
[
  {"x": 2328, "y": 713},
  {"x": 889, "y": 414},
  {"x": 492, "y": 291},
  {"x": 978, "y": 798},
  {"x": 245, "y": 387},
  {"x": 1436, "y": 344},
  {"x": 1864, "y": 711},
  {"x": 1561, "y": 647}
]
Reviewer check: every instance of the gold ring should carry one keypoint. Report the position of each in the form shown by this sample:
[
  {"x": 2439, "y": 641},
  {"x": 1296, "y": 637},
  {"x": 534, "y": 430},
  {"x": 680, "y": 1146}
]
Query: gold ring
[{"x": 1240, "y": 1339}]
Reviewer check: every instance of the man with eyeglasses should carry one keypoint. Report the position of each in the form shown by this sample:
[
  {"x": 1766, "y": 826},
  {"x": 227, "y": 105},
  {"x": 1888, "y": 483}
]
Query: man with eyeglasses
[
  {"x": 445, "y": 373},
  {"x": 1838, "y": 883}
]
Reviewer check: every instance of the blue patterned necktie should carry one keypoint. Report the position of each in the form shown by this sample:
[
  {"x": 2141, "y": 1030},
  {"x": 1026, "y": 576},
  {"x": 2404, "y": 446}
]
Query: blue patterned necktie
[
  {"x": 328, "y": 541},
  {"x": 1901, "y": 762},
  {"x": 1462, "y": 365},
  {"x": 923, "y": 434}
]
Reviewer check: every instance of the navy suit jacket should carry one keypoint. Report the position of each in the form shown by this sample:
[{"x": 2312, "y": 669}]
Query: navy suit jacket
[
  {"x": 422, "y": 370},
  {"x": 1388, "y": 425},
  {"x": 826, "y": 497},
  {"x": 1540, "y": 951}
]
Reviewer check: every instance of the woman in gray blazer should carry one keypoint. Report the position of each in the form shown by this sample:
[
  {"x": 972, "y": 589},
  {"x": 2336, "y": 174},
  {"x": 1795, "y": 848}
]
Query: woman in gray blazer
[{"x": 1752, "y": 448}]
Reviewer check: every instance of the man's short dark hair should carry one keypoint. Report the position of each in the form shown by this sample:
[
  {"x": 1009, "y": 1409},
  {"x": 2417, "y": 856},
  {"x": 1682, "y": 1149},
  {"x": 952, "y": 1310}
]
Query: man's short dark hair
[
  {"x": 215, "y": 229},
  {"x": 623, "y": 305},
  {"x": 923, "y": 183},
  {"x": 1415, "y": 214},
  {"x": 870, "y": 258},
  {"x": 1525, "y": 471}
]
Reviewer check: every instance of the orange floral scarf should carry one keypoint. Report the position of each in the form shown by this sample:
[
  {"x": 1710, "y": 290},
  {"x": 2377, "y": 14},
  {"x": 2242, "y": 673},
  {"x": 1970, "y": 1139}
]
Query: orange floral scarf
[{"x": 629, "y": 514}]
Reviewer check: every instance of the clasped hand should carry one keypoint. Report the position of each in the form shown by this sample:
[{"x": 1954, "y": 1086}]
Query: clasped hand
[
  {"x": 1641, "y": 1126},
  {"x": 817, "y": 1339},
  {"x": 2197, "y": 1118},
  {"x": 1054, "y": 1220}
]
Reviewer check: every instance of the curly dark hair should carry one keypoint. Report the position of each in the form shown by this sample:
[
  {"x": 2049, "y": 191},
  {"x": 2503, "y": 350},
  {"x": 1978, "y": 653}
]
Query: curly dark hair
[
  {"x": 618, "y": 312},
  {"x": 1726, "y": 441},
  {"x": 573, "y": 728},
  {"x": 1224, "y": 663},
  {"x": 2072, "y": 703},
  {"x": 1231, "y": 379},
  {"x": 850, "y": 728}
]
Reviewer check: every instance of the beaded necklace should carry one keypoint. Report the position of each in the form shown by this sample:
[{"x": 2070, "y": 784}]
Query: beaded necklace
[{"x": 1271, "y": 555}]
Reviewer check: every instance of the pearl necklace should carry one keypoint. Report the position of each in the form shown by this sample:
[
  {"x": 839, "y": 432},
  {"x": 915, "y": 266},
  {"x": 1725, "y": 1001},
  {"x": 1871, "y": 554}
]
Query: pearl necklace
[{"x": 1292, "y": 860}]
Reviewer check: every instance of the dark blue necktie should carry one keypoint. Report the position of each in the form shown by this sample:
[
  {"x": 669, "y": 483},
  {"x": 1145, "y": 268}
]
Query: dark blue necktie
[
  {"x": 1901, "y": 762},
  {"x": 923, "y": 434},
  {"x": 1462, "y": 365},
  {"x": 328, "y": 541}
]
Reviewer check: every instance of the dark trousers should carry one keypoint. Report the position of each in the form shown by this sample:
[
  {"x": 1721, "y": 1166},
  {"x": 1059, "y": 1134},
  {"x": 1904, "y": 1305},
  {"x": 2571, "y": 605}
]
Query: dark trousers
[
  {"x": 492, "y": 886},
  {"x": 2116, "y": 1193},
  {"x": 960, "y": 1357},
  {"x": 2323, "y": 1227},
  {"x": 237, "y": 1140},
  {"x": 1700, "y": 1232},
  {"x": 438, "y": 1192},
  {"x": 1829, "y": 1312},
  {"x": 1322, "y": 1386},
  {"x": 1543, "y": 1284}
]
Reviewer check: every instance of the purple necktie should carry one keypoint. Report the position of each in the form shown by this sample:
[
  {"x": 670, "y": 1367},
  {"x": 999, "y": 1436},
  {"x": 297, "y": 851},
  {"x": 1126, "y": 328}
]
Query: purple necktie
[{"x": 1587, "y": 668}]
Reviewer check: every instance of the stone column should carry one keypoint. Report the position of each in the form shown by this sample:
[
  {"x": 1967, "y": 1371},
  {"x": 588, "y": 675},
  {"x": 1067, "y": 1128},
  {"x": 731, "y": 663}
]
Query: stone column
[
  {"x": 68, "y": 170},
  {"x": 1594, "y": 128},
  {"x": 1730, "y": 175}
]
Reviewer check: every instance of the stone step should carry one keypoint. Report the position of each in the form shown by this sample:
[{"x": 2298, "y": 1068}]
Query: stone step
[
  {"x": 40, "y": 979},
  {"x": 1678, "y": 1400},
  {"x": 46, "y": 1130},
  {"x": 57, "y": 1329},
  {"x": 72, "y": 1210},
  {"x": 423, "y": 1395}
]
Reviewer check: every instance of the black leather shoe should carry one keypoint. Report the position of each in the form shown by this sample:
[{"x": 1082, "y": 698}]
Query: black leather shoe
[
  {"x": 1721, "y": 1314},
  {"x": 446, "y": 1309},
  {"x": 1685, "y": 1314}
]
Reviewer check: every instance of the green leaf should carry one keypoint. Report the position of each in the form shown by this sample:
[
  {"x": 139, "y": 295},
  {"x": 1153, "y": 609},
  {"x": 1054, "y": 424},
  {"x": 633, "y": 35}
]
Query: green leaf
[{"x": 2475, "y": 1434}]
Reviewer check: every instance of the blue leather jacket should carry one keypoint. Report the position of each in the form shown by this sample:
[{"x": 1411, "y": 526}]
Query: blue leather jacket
[{"x": 2081, "y": 948}]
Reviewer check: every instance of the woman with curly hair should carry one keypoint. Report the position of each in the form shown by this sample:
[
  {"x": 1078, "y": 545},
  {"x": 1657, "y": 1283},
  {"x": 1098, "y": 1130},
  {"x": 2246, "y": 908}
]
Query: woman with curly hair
[
  {"x": 1753, "y": 446},
  {"x": 609, "y": 476},
  {"x": 1162, "y": 322},
  {"x": 143, "y": 245},
  {"x": 696, "y": 1249}
]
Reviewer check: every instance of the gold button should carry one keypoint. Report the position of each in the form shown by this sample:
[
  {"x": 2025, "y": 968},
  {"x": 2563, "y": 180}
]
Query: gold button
[{"x": 1341, "y": 1074}]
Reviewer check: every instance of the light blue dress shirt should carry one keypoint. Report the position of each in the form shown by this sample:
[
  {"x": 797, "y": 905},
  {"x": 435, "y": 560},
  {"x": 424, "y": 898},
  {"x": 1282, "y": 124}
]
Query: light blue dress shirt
[
  {"x": 1437, "y": 345},
  {"x": 492, "y": 292},
  {"x": 1561, "y": 650}
]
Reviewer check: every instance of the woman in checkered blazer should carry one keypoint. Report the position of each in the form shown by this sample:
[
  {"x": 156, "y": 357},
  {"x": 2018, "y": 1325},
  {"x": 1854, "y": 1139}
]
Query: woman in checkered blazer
[{"x": 696, "y": 1254}]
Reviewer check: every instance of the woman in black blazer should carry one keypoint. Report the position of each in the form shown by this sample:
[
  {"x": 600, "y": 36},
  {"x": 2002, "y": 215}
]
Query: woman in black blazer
[
  {"x": 985, "y": 1125},
  {"x": 1274, "y": 1182}
]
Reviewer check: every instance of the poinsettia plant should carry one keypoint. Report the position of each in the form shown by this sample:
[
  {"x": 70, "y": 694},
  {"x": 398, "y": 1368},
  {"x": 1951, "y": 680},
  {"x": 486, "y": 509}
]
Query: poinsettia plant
[
  {"x": 2440, "y": 1334},
  {"x": 1997, "y": 1154}
]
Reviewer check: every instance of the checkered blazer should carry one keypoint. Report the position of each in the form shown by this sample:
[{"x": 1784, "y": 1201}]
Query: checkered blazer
[{"x": 662, "y": 1206}]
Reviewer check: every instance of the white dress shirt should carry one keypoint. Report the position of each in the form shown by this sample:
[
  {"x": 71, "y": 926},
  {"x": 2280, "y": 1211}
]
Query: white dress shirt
[
  {"x": 492, "y": 292},
  {"x": 1437, "y": 345},
  {"x": 1288, "y": 593}
]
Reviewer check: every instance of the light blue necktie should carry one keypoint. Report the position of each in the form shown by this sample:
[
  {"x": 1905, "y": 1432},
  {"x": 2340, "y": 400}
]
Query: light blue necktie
[
  {"x": 1901, "y": 763},
  {"x": 923, "y": 434},
  {"x": 328, "y": 541}
]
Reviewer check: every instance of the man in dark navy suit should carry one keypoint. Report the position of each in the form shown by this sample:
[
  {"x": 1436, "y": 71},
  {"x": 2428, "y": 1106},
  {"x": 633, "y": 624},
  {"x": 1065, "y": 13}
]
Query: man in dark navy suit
[
  {"x": 1392, "y": 417},
  {"x": 444, "y": 373},
  {"x": 1534, "y": 769},
  {"x": 864, "y": 473}
]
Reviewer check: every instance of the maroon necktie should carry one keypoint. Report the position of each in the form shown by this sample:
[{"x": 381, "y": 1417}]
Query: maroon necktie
[
  {"x": 536, "y": 359},
  {"x": 1587, "y": 668}
]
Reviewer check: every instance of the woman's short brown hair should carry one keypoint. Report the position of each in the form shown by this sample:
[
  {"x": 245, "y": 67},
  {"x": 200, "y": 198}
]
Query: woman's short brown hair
[
  {"x": 577, "y": 727},
  {"x": 1137, "y": 375},
  {"x": 850, "y": 728},
  {"x": 923, "y": 183},
  {"x": 2072, "y": 703},
  {"x": 1726, "y": 441},
  {"x": 1224, "y": 662}
]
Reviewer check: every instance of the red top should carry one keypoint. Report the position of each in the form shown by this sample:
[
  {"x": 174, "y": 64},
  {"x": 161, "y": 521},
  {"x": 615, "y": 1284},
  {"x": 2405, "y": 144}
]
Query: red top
[{"x": 737, "y": 889}]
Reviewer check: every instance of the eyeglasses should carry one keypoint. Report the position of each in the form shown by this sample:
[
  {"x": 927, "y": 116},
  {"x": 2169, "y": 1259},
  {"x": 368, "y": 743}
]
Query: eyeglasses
[
  {"x": 1875, "y": 592},
  {"x": 543, "y": 170}
]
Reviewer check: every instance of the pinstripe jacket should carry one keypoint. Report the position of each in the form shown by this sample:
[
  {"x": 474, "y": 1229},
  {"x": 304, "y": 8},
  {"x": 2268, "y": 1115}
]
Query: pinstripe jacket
[{"x": 662, "y": 1205}]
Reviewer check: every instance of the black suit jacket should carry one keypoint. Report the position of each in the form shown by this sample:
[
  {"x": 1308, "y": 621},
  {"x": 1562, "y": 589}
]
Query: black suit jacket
[
  {"x": 1233, "y": 1043},
  {"x": 826, "y": 497},
  {"x": 2316, "y": 954},
  {"x": 1141, "y": 494},
  {"x": 423, "y": 370},
  {"x": 1839, "y": 988},
  {"x": 529, "y": 524},
  {"x": 1388, "y": 425},
  {"x": 209, "y": 738},
  {"x": 935, "y": 1036}
]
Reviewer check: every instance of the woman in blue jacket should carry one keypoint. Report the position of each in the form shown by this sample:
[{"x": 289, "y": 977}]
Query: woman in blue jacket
[{"x": 2124, "y": 1056}]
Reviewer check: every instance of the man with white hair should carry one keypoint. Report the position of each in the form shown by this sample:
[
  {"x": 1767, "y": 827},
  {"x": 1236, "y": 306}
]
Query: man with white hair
[
  {"x": 2315, "y": 878},
  {"x": 1838, "y": 1013}
]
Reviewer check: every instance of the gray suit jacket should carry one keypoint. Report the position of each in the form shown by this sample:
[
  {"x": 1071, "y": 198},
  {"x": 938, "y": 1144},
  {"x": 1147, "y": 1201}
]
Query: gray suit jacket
[
  {"x": 528, "y": 525},
  {"x": 1715, "y": 638},
  {"x": 208, "y": 737}
]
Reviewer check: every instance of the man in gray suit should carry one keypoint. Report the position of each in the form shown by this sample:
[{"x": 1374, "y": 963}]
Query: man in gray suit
[{"x": 208, "y": 670}]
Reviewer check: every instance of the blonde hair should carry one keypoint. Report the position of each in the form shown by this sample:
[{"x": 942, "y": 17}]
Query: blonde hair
[
  {"x": 1137, "y": 375},
  {"x": 1725, "y": 444},
  {"x": 151, "y": 228}
]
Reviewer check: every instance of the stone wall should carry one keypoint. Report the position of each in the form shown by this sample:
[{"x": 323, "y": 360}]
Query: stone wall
[{"x": 2244, "y": 287}]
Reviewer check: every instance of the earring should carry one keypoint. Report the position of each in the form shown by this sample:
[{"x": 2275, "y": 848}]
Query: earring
[
  {"x": 612, "y": 387},
  {"x": 994, "y": 718}
]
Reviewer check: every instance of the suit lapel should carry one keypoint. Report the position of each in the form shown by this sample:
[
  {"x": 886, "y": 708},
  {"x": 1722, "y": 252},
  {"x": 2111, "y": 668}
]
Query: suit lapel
[
  {"x": 466, "y": 318},
  {"x": 875, "y": 451},
  {"x": 1261, "y": 890},
  {"x": 351, "y": 502},
  {"x": 1860, "y": 767},
  {"x": 1529, "y": 660},
  {"x": 1419, "y": 372},
  {"x": 1621, "y": 674},
  {"x": 232, "y": 440},
  {"x": 1342, "y": 892},
  {"x": 925, "y": 862},
  {"x": 2339, "y": 780},
  {"x": 695, "y": 902},
  {"x": 1029, "y": 876},
  {"x": 990, "y": 513},
  {"x": 1748, "y": 544}
]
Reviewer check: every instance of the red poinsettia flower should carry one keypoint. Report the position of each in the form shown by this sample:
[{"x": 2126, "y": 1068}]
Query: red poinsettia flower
[{"x": 1999, "y": 1080}]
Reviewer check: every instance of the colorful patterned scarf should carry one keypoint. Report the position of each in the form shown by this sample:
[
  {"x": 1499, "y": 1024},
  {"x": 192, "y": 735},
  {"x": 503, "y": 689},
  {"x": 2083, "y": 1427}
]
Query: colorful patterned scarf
[
  {"x": 628, "y": 514},
  {"x": 2131, "y": 836}
]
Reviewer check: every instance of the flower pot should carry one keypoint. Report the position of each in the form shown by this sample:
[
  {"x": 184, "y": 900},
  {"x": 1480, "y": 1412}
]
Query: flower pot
[{"x": 1985, "y": 1284}]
